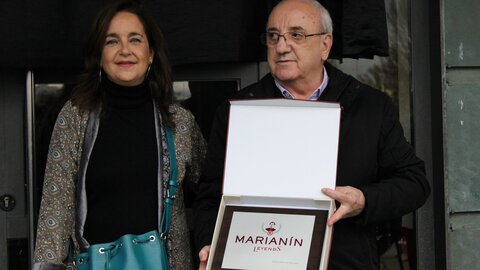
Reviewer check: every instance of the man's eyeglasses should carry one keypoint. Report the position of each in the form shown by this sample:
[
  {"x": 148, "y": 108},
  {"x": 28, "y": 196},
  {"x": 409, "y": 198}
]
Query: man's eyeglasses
[{"x": 272, "y": 38}]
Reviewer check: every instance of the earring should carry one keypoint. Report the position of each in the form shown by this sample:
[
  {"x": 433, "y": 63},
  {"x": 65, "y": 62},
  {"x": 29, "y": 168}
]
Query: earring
[{"x": 100, "y": 75}]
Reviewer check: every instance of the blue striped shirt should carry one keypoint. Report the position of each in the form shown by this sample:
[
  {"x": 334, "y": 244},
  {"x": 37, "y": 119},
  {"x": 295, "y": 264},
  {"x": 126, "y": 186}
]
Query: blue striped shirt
[{"x": 315, "y": 95}]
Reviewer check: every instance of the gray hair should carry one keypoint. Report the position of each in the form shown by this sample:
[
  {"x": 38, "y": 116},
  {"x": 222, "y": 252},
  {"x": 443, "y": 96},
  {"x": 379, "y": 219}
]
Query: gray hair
[{"x": 325, "y": 17}]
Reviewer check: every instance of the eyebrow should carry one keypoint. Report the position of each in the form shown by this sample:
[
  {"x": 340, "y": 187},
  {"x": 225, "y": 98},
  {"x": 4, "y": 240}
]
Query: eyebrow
[
  {"x": 290, "y": 29},
  {"x": 131, "y": 34}
]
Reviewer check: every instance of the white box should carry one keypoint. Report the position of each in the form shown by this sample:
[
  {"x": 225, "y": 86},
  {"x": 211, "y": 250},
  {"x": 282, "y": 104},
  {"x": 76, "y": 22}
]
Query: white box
[{"x": 280, "y": 154}]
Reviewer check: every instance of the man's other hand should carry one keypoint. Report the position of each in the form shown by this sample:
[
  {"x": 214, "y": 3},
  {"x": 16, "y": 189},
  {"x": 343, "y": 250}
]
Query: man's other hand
[{"x": 352, "y": 202}]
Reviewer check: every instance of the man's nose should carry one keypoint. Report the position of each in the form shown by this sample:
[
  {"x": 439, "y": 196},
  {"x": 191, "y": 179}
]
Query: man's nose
[{"x": 283, "y": 45}]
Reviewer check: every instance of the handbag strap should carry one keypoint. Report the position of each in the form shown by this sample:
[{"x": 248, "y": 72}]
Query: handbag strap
[{"x": 171, "y": 189}]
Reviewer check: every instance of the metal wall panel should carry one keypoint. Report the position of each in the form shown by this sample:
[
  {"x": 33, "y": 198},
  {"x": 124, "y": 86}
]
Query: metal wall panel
[
  {"x": 461, "y": 129},
  {"x": 462, "y": 42},
  {"x": 462, "y": 166},
  {"x": 462, "y": 147},
  {"x": 464, "y": 237}
]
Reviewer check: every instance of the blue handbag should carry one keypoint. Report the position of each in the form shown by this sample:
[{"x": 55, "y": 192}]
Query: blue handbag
[{"x": 137, "y": 252}]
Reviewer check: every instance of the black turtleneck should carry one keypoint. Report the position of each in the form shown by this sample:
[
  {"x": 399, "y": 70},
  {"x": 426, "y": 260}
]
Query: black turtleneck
[{"x": 121, "y": 179}]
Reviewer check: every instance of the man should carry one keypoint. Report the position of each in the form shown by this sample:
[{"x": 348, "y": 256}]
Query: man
[{"x": 379, "y": 178}]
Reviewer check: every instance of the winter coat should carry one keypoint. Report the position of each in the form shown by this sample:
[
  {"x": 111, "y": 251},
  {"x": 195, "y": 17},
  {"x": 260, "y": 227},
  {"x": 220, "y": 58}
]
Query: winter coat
[{"x": 373, "y": 157}]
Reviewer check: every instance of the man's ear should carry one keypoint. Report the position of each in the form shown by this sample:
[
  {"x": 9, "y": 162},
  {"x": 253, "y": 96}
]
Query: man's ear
[{"x": 327, "y": 42}]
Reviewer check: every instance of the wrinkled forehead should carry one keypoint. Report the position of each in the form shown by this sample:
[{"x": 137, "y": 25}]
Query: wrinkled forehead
[{"x": 291, "y": 16}]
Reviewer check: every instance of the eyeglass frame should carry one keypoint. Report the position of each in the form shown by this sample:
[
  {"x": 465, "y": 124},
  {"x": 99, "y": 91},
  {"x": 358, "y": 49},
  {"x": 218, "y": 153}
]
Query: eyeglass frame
[{"x": 264, "y": 41}]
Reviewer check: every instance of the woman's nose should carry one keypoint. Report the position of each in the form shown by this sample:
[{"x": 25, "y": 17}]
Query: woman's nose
[{"x": 125, "y": 48}]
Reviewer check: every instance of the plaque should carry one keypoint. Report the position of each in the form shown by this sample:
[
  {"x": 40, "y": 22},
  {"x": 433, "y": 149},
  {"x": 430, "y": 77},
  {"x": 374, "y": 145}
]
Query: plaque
[{"x": 270, "y": 238}]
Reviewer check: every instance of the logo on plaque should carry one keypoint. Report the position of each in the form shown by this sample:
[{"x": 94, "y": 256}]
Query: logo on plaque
[{"x": 271, "y": 227}]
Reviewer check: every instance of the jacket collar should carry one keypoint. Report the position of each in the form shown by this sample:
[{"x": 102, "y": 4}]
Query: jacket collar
[{"x": 341, "y": 88}]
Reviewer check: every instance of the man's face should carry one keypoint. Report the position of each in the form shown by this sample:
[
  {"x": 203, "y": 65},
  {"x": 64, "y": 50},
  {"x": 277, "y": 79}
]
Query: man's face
[{"x": 290, "y": 62}]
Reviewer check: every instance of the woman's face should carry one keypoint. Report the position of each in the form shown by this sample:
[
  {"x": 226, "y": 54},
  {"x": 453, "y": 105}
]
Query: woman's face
[{"x": 126, "y": 54}]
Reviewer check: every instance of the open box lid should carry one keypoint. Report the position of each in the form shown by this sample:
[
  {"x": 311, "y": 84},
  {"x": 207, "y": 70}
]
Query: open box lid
[{"x": 281, "y": 148}]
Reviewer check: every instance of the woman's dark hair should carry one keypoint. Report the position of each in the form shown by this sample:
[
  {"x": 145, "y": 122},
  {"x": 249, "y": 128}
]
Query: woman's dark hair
[{"x": 87, "y": 94}]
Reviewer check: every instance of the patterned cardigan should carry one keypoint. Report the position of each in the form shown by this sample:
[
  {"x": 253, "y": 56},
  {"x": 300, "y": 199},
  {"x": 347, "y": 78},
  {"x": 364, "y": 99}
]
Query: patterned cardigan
[{"x": 60, "y": 207}]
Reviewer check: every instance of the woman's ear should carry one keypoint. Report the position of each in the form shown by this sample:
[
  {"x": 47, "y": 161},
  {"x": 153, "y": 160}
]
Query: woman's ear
[{"x": 150, "y": 59}]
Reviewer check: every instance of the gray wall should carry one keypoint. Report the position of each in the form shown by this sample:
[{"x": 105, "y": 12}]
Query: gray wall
[{"x": 461, "y": 91}]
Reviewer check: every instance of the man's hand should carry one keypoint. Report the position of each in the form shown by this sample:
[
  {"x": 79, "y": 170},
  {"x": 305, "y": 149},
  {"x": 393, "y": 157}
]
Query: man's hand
[
  {"x": 352, "y": 202},
  {"x": 203, "y": 255}
]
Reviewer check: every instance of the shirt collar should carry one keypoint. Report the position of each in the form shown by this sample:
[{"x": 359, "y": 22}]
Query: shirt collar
[{"x": 315, "y": 95}]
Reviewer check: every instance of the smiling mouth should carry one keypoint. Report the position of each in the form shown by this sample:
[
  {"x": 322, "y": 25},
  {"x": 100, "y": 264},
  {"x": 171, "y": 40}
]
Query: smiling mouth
[{"x": 125, "y": 63}]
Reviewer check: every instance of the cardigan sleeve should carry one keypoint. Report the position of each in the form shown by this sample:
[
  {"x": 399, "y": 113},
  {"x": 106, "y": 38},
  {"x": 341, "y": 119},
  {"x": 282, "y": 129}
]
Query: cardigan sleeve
[
  {"x": 190, "y": 139},
  {"x": 57, "y": 208}
]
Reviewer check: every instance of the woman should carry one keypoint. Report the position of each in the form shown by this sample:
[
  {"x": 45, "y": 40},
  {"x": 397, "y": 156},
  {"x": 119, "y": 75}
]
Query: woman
[{"x": 108, "y": 153}]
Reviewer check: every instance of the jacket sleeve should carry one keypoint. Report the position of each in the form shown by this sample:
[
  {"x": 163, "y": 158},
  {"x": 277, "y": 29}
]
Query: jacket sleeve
[
  {"x": 210, "y": 184},
  {"x": 56, "y": 217},
  {"x": 401, "y": 185}
]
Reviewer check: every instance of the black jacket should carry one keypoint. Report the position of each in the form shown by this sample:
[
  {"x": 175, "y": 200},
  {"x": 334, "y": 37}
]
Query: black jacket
[{"x": 373, "y": 156}]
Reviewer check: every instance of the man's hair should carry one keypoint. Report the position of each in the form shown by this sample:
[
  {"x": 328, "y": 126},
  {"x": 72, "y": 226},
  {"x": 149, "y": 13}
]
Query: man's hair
[{"x": 326, "y": 20}]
